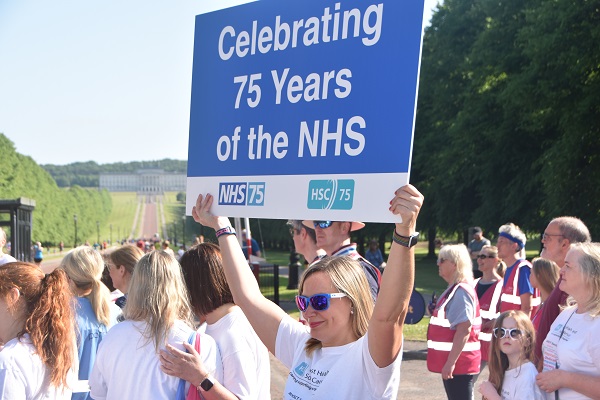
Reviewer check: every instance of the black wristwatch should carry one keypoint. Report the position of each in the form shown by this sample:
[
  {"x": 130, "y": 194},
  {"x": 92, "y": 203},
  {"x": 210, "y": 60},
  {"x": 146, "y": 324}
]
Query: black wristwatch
[
  {"x": 406, "y": 241},
  {"x": 206, "y": 384}
]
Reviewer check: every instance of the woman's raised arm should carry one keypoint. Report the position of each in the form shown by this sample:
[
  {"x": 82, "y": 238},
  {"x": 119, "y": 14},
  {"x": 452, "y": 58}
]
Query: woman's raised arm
[
  {"x": 263, "y": 314},
  {"x": 385, "y": 327}
]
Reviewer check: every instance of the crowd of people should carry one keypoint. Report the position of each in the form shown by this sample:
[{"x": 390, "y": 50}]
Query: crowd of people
[
  {"x": 532, "y": 324},
  {"x": 131, "y": 323}
]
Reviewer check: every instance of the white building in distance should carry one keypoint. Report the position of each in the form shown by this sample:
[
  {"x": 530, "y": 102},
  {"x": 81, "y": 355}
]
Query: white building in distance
[{"x": 144, "y": 181}]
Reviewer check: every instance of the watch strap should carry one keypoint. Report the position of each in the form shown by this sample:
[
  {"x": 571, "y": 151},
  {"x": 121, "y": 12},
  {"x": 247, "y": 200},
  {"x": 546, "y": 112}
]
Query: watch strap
[
  {"x": 406, "y": 241},
  {"x": 228, "y": 230}
]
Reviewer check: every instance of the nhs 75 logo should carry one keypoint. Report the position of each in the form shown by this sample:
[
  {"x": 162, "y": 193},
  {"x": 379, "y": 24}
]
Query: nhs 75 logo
[{"x": 242, "y": 193}]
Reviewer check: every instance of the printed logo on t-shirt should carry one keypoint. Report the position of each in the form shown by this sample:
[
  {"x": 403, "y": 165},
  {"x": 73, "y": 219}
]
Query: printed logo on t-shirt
[
  {"x": 301, "y": 368},
  {"x": 309, "y": 378}
]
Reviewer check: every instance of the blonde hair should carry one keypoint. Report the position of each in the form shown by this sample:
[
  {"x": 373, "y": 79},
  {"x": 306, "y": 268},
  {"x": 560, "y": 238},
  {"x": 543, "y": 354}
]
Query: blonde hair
[
  {"x": 459, "y": 255},
  {"x": 348, "y": 277},
  {"x": 158, "y": 296},
  {"x": 546, "y": 273},
  {"x": 589, "y": 262},
  {"x": 498, "y": 361},
  {"x": 84, "y": 266}
]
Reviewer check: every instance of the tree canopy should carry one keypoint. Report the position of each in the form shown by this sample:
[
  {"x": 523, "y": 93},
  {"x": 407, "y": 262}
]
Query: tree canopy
[
  {"x": 508, "y": 114},
  {"x": 53, "y": 220}
]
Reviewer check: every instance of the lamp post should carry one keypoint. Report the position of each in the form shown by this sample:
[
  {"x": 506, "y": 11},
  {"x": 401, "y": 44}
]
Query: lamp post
[
  {"x": 119, "y": 234},
  {"x": 183, "y": 231},
  {"x": 111, "y": 234},
  {"x": 98, "y": 230},
  {"x": 75, "y": 222}
]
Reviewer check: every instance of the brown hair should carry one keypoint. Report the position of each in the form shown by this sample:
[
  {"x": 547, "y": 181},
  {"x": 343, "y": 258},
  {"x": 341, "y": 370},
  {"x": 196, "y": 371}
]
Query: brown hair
[
  {"x": 49, "y": 318},
  {"x": 202, "y": 267},
  {"x": 546, "y": 273},
  {"x": 498, "y": 361},
  {"x": 126, "y": 256},
  {"x": 348, "y": 277}
]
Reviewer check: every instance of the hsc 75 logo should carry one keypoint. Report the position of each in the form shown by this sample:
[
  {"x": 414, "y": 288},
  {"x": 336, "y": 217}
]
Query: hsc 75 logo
[
  {"x": 333, "y": 194},
  {"x": 242, "y": 193}
]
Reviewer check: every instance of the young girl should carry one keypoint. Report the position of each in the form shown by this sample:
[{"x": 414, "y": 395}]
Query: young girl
[{"x": 512, "y": 374}]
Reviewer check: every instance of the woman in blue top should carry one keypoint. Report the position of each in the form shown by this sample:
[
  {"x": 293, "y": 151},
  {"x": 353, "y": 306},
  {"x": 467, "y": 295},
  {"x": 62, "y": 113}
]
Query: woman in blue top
[
  {"x": 38, "y": 253},
  {"x": 95, "y": 312}
]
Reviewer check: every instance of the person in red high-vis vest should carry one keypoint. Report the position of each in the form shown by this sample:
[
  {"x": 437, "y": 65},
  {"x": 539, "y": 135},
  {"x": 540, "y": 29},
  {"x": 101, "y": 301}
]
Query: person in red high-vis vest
[
  {"x": 517, "y": 292},
  {"x": 489, "y": 289},
  {"x": 453, "y": 347}
]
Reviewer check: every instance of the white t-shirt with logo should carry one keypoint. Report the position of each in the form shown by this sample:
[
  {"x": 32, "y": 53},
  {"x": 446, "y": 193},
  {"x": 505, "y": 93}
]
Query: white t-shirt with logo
[
  {"x": 342, "y": 372},
  {"x": 572, "y": 344},
  {"x": 519, "y": 383}
]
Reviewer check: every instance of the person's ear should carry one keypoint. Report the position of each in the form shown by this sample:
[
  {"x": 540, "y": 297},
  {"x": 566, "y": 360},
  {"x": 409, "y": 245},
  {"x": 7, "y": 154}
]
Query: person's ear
[{"x": 348, "y": 227}]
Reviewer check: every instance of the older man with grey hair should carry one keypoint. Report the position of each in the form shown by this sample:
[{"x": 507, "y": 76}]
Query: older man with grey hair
[
  {"x": 560, "y": 233},
  {"x": 4, "y": 258}
]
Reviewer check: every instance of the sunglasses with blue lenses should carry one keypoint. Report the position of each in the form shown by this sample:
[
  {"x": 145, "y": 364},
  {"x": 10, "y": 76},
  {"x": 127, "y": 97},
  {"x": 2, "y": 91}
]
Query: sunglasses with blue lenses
[
  {"x": 319, "y": 302},
  {"x": 322, "y": 224},
  {"x": 501, "y": 333}
]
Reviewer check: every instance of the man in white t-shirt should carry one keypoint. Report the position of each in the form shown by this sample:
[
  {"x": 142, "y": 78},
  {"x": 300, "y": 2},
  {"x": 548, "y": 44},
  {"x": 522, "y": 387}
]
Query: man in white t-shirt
[{"x": 4, "y": 258}]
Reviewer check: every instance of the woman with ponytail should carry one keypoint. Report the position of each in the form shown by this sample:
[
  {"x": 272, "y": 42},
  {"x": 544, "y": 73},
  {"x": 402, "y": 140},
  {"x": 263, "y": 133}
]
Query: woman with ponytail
[
  {"x": 95, "y": 312},
  {"x": 37, "y": 329}
]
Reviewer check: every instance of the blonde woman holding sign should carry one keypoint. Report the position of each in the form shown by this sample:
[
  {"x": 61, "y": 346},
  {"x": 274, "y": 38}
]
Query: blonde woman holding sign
[{"x": 352, "y": 350}]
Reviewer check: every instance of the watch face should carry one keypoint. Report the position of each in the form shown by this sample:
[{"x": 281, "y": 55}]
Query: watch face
[{"x": 206, "y": 384}]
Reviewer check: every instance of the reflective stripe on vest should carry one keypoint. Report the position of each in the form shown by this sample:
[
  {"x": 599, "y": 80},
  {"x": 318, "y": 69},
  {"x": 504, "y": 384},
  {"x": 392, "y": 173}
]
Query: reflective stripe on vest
[
  {"x": 486, "y": 336},
  {"x": 440, "y": 336},
  {"x": 447, "y": 346},
  {"x": 510, "y": 299},
  {"x": 446, "y": 324}
]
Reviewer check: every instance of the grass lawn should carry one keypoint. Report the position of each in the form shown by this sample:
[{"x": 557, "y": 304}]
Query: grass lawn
[{"x": 121, "y": 217}]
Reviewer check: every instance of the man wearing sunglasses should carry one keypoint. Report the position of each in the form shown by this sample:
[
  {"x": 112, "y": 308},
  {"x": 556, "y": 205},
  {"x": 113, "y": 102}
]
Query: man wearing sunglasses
[
  {"x": 305, "y": 241},
  {"x": 560, "y": 233},
  {"x": 334, "y": 238}
]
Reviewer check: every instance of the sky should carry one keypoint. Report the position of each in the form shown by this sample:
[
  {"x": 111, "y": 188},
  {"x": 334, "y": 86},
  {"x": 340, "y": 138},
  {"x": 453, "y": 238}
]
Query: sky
[{"x": 104, "y": 81}]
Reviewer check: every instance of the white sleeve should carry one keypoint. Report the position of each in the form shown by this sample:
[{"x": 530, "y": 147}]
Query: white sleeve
[{"x": 290, "y": 335}]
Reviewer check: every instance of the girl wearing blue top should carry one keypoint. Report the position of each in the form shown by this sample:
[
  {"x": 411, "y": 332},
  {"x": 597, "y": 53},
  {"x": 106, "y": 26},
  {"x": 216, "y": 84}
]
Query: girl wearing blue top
[{"x": 95, "y": 312}]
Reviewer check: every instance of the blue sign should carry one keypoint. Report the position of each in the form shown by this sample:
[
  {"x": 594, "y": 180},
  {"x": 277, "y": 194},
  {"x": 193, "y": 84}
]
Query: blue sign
[{"x": 319, "y": 93}]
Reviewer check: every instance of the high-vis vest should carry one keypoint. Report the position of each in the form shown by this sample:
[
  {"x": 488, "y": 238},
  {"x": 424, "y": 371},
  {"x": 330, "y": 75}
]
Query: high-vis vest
[
  {"x": 440, "y": 337},
  {"x": 489, "y": 306},
  {"x": 510, "y": 298}
]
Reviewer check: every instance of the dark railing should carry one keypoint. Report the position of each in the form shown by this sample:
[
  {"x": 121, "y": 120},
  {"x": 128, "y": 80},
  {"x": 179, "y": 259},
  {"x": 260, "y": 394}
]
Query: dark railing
[{"x": 268, "y": 280}]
